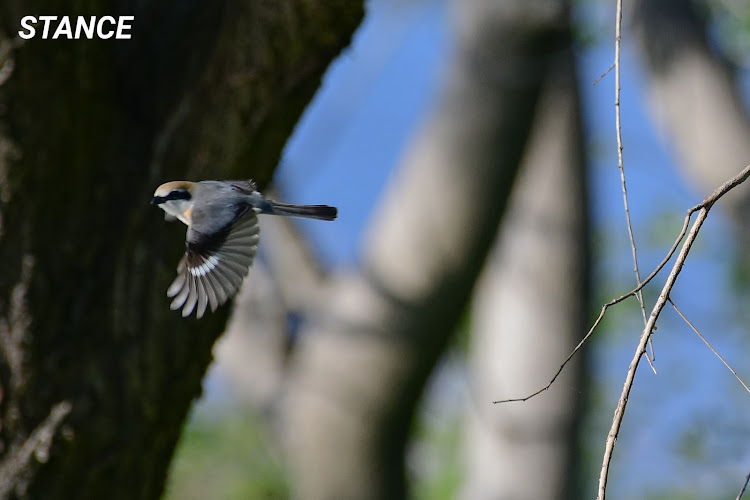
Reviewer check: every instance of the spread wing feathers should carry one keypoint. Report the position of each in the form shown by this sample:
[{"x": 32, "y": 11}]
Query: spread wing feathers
[
  {"x": 244, "y": 186},
  {"x": 214, "y": 266}
]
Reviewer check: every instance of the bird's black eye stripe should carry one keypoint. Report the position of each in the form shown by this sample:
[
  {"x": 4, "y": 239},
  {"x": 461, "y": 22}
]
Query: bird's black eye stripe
[{"x": 178, "y": 194}]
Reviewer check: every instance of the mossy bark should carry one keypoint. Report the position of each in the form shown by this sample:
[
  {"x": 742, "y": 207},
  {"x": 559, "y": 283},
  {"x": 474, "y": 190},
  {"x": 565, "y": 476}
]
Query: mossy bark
[{"x": 88, "y": 128}]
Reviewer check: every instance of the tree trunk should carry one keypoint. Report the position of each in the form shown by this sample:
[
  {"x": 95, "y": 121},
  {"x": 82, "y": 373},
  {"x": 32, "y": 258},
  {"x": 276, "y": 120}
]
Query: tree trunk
[
  {"x": 694, "y": 95},
  {"x": 529, "y": 312},
  {"x": 361, "y": 367},
  {"x": 88, "y": 129}
]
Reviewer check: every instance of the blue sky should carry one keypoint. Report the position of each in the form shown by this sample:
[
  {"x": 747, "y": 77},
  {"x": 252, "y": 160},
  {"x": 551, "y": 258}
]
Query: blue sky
[{"x": 352, "y": 136}]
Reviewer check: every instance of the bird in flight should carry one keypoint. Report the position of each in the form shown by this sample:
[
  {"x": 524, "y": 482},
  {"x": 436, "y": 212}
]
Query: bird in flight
[{"x": 222, "y": 236}]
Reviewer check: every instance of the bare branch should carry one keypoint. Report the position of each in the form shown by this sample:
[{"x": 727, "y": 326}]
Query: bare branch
[
  {"x": 621, "y": 167},
  {"x": 709, "y": 346},
  {"x": 744, "y": 487},
  {"x": 570, "y": 356},
  {"x": 703, "y": 210},
  {"x": 604, "y": 74},
  {"x": 609, "y": 304},
  {"x": 641, "y": 349}
]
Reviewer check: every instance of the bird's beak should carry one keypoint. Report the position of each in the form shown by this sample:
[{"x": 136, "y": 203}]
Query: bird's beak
[{"x": 157, "y": 200}]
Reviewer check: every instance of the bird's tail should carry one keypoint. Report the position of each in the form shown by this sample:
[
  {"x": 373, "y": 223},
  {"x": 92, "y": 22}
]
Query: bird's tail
[{"x": 322, "y": 212}]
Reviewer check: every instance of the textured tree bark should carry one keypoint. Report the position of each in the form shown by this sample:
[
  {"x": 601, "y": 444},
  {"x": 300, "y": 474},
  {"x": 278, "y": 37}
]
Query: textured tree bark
[
  {"x": 694, "y": 96},
  {"x": 360, "y": 370},
  {"x": 529, "y": 312},
  {"x": 91, "y": 353}
]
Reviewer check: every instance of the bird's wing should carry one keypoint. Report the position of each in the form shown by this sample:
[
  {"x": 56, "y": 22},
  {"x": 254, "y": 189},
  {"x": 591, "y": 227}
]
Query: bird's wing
[
  {"x": 243, "y": 186},
  {"x": 214, "y": 265}
]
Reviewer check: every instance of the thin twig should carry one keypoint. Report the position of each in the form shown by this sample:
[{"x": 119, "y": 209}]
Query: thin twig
[
  {"x": 609, "y": 304},
  {"x": 707, "y": 202},
  {"x": 604, "y": 74},
  {"x": 703, "y": 209},
  {"x": 744, "y": 487},
  {"x": 736, "y": 375},
  {"x": 641, "y": 349},
  {"x": 621, "y": 167}
]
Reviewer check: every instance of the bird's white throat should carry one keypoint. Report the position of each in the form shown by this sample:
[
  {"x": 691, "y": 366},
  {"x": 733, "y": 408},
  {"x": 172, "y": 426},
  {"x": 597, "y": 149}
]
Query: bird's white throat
[{"x": 181, "y": 209}]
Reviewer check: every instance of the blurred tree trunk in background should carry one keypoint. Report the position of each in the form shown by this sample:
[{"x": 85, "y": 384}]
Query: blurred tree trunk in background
[
  {"x": 255, "y": 348},
  {"x": 360, "y": 369},
  {"x": 88, "y": 129},
  {"x": 695, "y": 97},
  {"x": 530, "y": 311}
]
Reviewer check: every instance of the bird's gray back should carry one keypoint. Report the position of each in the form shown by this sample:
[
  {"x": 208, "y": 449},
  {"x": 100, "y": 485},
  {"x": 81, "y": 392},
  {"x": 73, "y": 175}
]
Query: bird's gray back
[{"x": 216, "y": 205}]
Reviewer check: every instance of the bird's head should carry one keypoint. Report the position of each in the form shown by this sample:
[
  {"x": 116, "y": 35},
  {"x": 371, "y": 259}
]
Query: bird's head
[{"x": 176, "y": 199}]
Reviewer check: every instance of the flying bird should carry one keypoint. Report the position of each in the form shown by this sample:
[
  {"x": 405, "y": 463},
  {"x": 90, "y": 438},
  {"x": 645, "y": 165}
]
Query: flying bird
[{"x": 222, "y": 236}]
